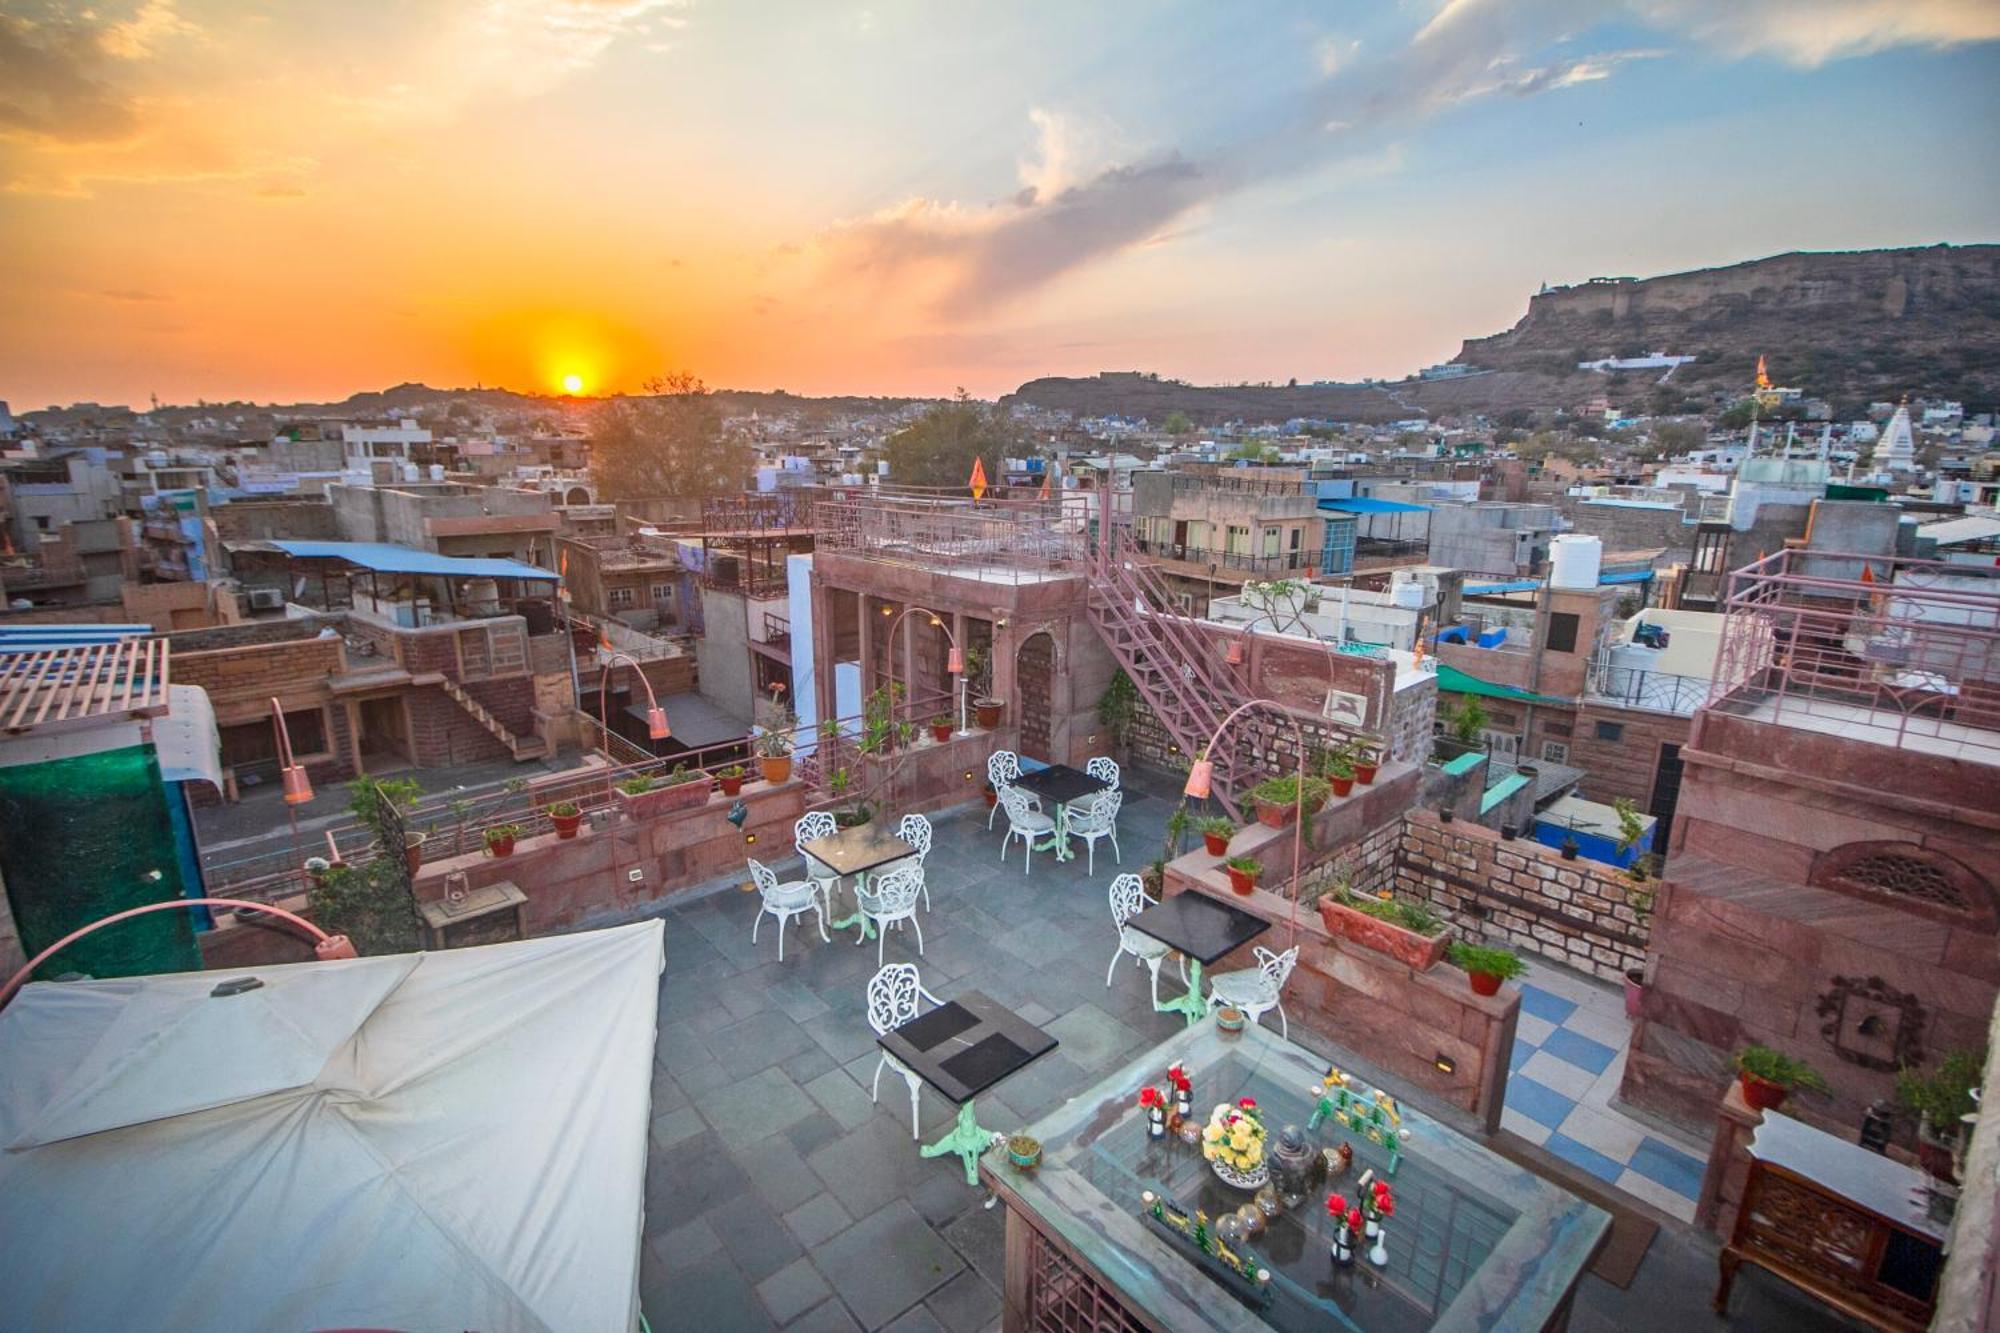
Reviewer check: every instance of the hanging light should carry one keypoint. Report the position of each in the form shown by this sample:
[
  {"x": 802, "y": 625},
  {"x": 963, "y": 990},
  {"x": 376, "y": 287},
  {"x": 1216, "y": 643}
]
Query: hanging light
[
  {"x": 656, "y": 723},
  {"x": 1201, "y": 774},
  {"x": 298, "y": 787},
  {"x": 1235, "y": 654},
  {"x": 954, "y": 661}
]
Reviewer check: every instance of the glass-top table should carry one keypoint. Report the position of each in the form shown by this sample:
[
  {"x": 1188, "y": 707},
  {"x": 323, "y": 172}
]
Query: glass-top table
[{"x": 1476, "y": 1242}]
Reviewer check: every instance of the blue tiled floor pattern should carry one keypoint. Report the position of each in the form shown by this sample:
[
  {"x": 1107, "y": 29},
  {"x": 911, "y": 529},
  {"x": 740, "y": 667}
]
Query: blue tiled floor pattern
[{"x": 1564, "y": 1070}]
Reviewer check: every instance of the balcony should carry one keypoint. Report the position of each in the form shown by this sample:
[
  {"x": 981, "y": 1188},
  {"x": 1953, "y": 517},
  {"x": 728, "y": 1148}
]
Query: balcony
[
  {"x": 1631, "y": 686},
  {"x": 1010, "y": 542},
  {"x": 1283, "y": 562}
]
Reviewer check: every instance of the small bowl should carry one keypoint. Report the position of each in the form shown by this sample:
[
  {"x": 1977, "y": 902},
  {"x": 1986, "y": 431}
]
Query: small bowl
[
  {"x": 1230, "y": 1019},
  {"x": 1024, "y": 1152}
]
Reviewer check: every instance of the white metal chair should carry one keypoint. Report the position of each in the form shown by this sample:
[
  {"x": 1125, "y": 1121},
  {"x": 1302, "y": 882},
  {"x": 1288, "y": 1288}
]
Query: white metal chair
[
  {"x": 784, "y": 901},
  {"x": 812, "y": 825},
  {"x": 1257, "y": 990},
  {"x": 1128, "y": 899},
  {"x": 1103, "y": 767},
  {"x": 1097, "y": 819},
  {"x": 890, "y": 899},
  {"x": 1002, "y": 767},
  {"x": 916, "y": 830},
  {"x": 1025, "y": 822},
  {"x": 893, "y": 1000}
]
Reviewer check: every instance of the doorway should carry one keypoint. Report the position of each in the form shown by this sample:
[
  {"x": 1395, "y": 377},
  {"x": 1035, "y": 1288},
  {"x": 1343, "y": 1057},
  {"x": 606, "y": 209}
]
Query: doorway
[
  {"x": 1034, "y": 686},
  {"x": 1666, "y": 794},
  {"x": 385, "y": 734}
]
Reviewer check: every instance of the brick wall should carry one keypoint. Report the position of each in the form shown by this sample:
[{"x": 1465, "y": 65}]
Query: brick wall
[
  {"x": 1626, "y": 766},
  {"x": 1522, "y": 895},
  {"x": 241, "y": 681}
]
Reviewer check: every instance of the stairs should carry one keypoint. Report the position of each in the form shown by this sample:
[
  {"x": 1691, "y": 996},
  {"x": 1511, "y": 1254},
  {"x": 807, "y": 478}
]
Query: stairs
[
  {"x": 521, "y": 747},
  {"x": 1178, "y": 670}
]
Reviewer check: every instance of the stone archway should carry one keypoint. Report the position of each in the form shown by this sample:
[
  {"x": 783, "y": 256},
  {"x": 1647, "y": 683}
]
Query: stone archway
[{"x": 1034, "y": 689}]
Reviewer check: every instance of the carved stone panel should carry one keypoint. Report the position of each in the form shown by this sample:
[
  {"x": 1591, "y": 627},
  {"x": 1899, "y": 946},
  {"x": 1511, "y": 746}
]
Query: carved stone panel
[{"x": 1871, "y": 1024}]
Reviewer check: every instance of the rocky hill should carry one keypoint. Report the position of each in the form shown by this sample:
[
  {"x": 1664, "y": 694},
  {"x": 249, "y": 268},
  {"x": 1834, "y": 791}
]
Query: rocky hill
[{"x": 1851, "y": 327}]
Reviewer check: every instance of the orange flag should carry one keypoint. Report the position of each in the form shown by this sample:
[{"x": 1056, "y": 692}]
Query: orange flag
[
  {"x": 978, "y": 482},
  {"x": 1763, "y": 379},
  {"x": 1045, "y": 485}
]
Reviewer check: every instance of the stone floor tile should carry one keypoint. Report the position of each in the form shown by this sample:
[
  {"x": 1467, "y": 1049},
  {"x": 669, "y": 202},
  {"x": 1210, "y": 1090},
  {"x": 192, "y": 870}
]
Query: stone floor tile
[
  {"x": 686, "y": 1246},
  {"x": 886, "y": 1263},
  {"x": 1596, "y": 1163},
  {"x": 792, "y": 1290},
  {"x": 918, "y": 1320},
  {"x": 1545, "y": 1004},
  {"x": 841, "y": 1097},
  {"x": 753, "y": 1237},
  {"x": 1614, "y": 1030},
  {"x": 1601, "y": 1131},
  {"x": 1531, "y": 1031},
  {"x": 1576, "y": 1049},
  {"x": 815, "y": 1131},
  {"x": 820, "y": 1218},
  {"x": 677, "y": 1126},
  {"x": 715, "y": 1296},
  {"x": 1648, "y": 1190},
  {"x": 980, "y": 1237},
  {"x": 748, "y": 1109},
  {"x": 1661, "y": 1161},
  {"x": 829, "y": 1316},
  {"x": 1537, "y": 1102},
  {"x": 687, "y": 1180},
  {"x": 1560, "y": 1075},
  {"x": 1515, "y": 1123},
  {"x": 966, "y": 1304},
  {"x": 779, "y": 1171},
  {"x": 1091, "y": 1038}
]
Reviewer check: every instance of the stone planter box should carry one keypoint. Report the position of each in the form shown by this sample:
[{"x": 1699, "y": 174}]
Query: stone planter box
[
  {"x": 658, "y": 801},
  {"x": 1420, "y": 953}
]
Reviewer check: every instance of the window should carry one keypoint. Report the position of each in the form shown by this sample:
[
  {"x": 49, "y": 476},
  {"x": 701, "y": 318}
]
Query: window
[
  {"x": 1562, "y": 632},
  {"x": 619, "y": 597},
  {"x": 1555, "y": 752},
  {"x": 663, "y": 592},
  {"x": 1270, "y": 541},
  {"x": 1611, "y": 731},
  {"x": 1238, "y": 540}
]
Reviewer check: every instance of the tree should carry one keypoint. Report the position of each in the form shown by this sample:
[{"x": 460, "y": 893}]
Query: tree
[
  {"x": 669, "y": 443},
  {"x": 1679, "y": 437},
  {"x": 938, "y": 448},
  {"x": 1178, "y": 424}
]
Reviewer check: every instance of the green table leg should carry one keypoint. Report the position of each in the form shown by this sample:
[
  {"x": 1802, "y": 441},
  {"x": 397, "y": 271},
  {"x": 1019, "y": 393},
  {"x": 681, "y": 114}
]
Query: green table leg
[
  {"x": 1059, "y": 837},
  {"x": 966, "y": 1139},
  {"x": 1191, "y": 1003},
  {"x": 866, "y": 927}
]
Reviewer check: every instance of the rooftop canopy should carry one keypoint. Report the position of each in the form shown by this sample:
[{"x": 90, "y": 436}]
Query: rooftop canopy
[
  {"x": 384, "y": 558},
  {"x": 1457, "y": 682}
]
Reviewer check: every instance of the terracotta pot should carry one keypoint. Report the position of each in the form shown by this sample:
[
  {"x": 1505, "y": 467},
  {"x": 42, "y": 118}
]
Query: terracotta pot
[
  {"x": 941, "y": 734},
  {"x": 1341, "y": 786},
  {"x": 1365, "y": 773},
  {"x": 500, "y": 846},
  {"x": 988, "y": 711},
  {"x": 731, "y": 786},
  {"x": 683, "y": 796},
  {"x": 567, "y": 825},
  {"x": 413, "y": 851},
  {"x": 1241, "y": 881},
  {"x": 1216, "y": 843},
  {"x": 776, "y": 770},
  {"x": 1417, "y": 952},
  {"x": 992, "y": 798},
  {"x": 1275, "y": 816},
  {"x": 1484, "y": 983},
  {"x": 1761, "y": 1095},
  {"x": 1635, "y": 991}
]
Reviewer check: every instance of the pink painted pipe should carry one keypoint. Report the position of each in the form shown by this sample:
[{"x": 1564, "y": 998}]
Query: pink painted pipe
[{"x": 325, "y": 946}]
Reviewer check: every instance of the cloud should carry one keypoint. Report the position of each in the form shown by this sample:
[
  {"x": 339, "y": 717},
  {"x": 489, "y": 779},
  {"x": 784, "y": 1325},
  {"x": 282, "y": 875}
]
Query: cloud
[
  {"x": 1812, "y": 32},
  {"x": 132, "y": 295},
  {"x": 139, "y": 36},
  {"x": 54, "y": 86}
]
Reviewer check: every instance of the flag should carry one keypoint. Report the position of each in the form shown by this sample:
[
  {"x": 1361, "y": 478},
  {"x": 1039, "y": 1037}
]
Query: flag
[
  {"x": 1763, "y": 379},
  {"x": 1045, "y": 485},
  {"x": 978, "y": 482}
]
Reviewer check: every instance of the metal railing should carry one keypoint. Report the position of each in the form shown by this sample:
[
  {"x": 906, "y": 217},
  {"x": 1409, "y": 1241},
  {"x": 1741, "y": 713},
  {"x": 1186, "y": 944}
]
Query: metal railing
[
  {"x": 1009, "y": 544},
  {"x": 1907, "y": 654},
  {"x": 1637, "y": 687},
  {"x": 1282, "y": 562},
  {"x": 777, "y": 631}
]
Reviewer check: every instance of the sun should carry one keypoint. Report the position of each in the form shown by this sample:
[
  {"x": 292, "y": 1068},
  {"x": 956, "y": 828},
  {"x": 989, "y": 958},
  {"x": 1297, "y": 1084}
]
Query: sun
[{"x": 572, "y": 383}]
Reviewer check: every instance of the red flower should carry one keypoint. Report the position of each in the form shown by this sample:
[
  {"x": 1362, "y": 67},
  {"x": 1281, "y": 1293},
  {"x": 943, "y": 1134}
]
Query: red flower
[
  {"x": 1150, "y": 1097},
  {"x": 1381, "y": 1189},
  {"x": 1248, "y": 1103},
  {"x": 1336, "y": 1206},
  {"x": 1385, "y": 1206},
  {"x": 1354, "y": 1219}
]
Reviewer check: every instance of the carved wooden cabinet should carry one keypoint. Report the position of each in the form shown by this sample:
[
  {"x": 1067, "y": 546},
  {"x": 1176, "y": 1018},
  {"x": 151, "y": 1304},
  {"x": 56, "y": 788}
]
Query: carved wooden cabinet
[{"x": 1834, "y": 1219}]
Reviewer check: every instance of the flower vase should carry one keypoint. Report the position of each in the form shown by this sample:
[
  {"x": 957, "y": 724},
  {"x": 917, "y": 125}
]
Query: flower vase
[
  {"x": 1343, "y": 1247},
  {"x": 1371, "y": 1228},
  {"x": 1184, "y": 1102},
  {"x": 1156, "y": 1122},
  {"x": 1379, "y": 1256}
]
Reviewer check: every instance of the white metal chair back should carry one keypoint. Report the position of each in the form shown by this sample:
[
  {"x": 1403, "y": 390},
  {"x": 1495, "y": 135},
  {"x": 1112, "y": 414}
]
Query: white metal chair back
[
  {"x": 763, "y": 877},
  {"x": 1020, "y": 805},
  {"x": 916, "y": 830},
  {"x": 893, "y": 995},
  {"x": 1276, "y": 967},
  {"x": 1002, "y": 766},
  {"x": 1098, "y": 814},
  {"x": 813, "y": 824},
  {"x": 1104, "y": 768},
  {"x": 893, "y": 893},
  {"x": 1128, "y": 898}
]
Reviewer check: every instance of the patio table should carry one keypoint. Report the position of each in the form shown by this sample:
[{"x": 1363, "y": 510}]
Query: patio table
[
  {"x": 1061, "y": 786},
  {"x": 1203, "y": 930},
  {"x": 853, "y": 852},
  {"x": 962, "y": 1048}
]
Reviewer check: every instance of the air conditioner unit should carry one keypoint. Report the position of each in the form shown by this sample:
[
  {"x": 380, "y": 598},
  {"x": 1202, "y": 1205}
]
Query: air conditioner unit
[
  {"x": 1555, "y": 752},
  {"x": 267, "y": 599}
]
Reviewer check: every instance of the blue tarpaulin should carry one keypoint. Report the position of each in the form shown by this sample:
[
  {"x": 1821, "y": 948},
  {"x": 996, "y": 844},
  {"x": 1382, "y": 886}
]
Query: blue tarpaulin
[
  {"x": 1361, "y": 504},
  {"x": 385, "y": 558},
  {"x": 1512, "y": 585},
  {"x": 1627, "y": 576}
]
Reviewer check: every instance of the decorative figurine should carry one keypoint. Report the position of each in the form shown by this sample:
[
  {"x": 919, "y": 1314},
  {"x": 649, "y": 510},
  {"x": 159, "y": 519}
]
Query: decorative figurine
[
  {"x": 1217, "y": 1243},
  {"x": 1291, "y": 1165},
  {"x": 1267, "y": 1203},
  {"x": 1343, "y": 1233},
  {"x": 1371, "y": 1113},
  {"x": 1252, "y": 1219},
  {"x": 1188, "y": 1131},
  {"x": 1156, "y": 1112},
  {"x": 1183, "y": 1089}
]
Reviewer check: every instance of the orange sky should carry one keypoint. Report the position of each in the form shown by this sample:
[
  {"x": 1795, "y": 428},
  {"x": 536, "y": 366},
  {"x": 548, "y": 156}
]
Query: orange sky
[{"x": 244, "y": 198}]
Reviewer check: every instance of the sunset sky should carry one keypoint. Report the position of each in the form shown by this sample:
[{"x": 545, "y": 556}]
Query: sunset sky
[{"x": 300, "y": 198}]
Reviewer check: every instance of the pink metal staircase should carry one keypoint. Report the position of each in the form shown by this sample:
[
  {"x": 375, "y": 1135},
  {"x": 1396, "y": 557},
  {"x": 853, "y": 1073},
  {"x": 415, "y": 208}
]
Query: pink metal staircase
[{"x": 1178, "y": 670}]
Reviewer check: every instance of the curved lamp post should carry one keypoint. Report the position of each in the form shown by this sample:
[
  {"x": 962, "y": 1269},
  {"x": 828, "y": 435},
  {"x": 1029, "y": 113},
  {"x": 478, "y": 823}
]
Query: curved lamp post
[
  {"x": 656, "y": 717},
  {"x": 954, "y": 660},
  {"x": 325, "y": 947}
]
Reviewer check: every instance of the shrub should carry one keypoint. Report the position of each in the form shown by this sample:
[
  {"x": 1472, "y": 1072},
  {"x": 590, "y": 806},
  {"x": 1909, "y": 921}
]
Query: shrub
[
  {"x": 1285, "y": 791},
  {"x": 1499, "y": 963},
  {"x": 636, "y": 786},
  {"x": 1776, "y": 1067},
  {"x": 682, "y": 774},
  {"x": 1410, "y": 916},
  {"x": 1945, "y": 1094},
  {"x": 370, "y": 904}
]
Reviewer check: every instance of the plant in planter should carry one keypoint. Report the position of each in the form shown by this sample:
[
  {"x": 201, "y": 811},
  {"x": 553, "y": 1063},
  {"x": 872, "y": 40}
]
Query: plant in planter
[
  {"x": 1118, "y": 709},
  {"x": 316, "y": 868},
  {"x": 855, "y": 815},
  {"x": 941, "y": 728},
  {"x": 680, "y": 789},
  {"x": 1244, "y": 871},
  {"x": 1367, "y": 764},
  {"x": 500, "y": 839},
  {"x": 1486, "y": 967},
  {"x": 1278, "y": 799},
  {"x": 1769, "y": 1076},
  {"x": 730, "y": 779},
  {"x": 1340, "y": 770},
  {"x": 1216, "y": 831},
  {"x": 1410, "y": 933},
  {"x": 1941, "y": 1100},
  {"x": 567, "y": 816},
  {"x": 1631, "y": 828},
  {"x": 774, "y": 752},
  {"x": 383, "y": 804},
  {"x": 1570, "y": 847}
]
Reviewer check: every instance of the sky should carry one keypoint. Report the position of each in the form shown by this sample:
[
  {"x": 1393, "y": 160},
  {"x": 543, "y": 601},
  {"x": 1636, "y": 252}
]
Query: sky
[{"x": 286, "y": 200}]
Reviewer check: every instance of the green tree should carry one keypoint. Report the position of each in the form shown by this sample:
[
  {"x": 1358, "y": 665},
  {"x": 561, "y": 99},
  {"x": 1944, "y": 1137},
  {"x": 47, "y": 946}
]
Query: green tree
[
  {"x": 1178, "y": 424},
  {"x": 1679, "y": 437},
  {"x": 938, "y": 448},
  {"x": 668, "y": 443}
]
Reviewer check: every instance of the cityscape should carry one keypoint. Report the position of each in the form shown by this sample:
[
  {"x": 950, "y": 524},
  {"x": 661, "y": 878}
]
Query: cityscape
[{"x": 482, "y": 662}]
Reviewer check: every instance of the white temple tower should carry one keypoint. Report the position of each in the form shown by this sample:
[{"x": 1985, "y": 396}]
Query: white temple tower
[{"x": 1897, "y": 451}]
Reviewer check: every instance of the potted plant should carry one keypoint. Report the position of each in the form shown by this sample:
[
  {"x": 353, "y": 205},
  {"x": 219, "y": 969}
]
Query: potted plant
[
  {"x": 375, "y": 803},
  {"x": 500, "y": 839},
  {"x": 1340, "y": 771},
  {"x": 1485, "y": 967},
  {"x": 1769, "y": 1076},
  {"x": 567, "y": 816},
  {"x": 316, "y": 868},
  {"x": 1216, "y": 832},
  {"x": 1570, "y": 847},
  {"x": 1941, "y": 1100},
  {"x": 774, "y": 755},
  {"x": 855, "y": 814},
  {"x": 1243, "y": 873},
  {"x": 986, "y": 711},
  {"x": 1367, "y": 764},
  {"x": 681, "y": 789},
  {"x": 1410, "y": 933},
  {"x": 1278, "y": 799},
  {"x": 730, "y": 779},
  {"x": 941, "y": 728}
]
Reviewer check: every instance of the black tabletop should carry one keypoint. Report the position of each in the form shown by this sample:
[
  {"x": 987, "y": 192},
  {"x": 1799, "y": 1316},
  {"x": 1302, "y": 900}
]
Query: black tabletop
[
  {"x": 1060, "y": 784},
  {"x": 1199, "y": 926},
  {"x": 854, "y": 851},
  {"x": 966, "y": 1045}
]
